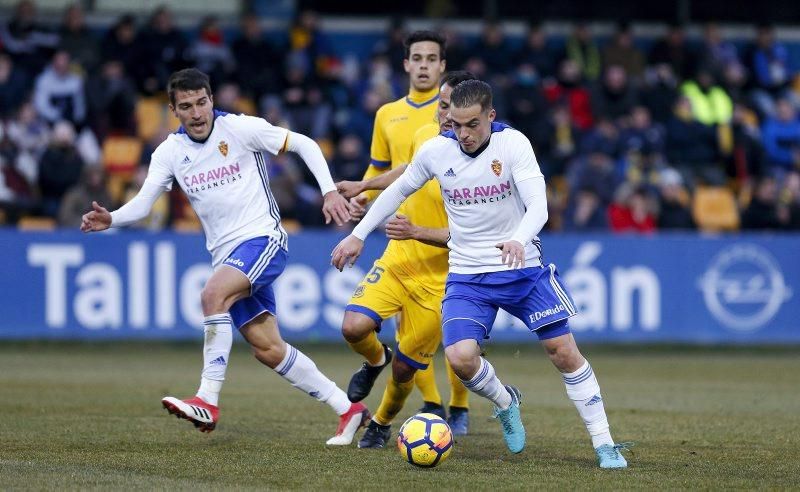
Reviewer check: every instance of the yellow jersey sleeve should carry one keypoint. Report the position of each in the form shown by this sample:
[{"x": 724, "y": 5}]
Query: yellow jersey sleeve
[{"x": 380, "y": 153}]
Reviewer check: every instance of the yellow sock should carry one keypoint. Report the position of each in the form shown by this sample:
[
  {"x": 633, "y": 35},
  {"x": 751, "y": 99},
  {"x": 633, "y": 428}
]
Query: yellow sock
[
  {"x": 370, "y": 347},
  {"x": 393, "y": 399},
  {"x": 426, "y": 382},
  {"x": 459, "y": 394}
]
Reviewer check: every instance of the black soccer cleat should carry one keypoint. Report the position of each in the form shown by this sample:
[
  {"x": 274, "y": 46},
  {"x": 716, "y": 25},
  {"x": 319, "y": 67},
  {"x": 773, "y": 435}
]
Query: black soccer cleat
[
  {"x": 364, "y": 379},
  {"x": 434, "y": 408},
  {"x": 376, "y": 436}
]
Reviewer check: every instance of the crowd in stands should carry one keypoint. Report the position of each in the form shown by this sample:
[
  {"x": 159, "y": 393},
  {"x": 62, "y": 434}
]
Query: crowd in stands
[{"x": 681, "y": 135}]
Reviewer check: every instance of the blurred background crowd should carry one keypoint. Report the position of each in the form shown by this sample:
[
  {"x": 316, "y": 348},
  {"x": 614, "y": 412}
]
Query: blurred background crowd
[{"x": 634, "y": 134}]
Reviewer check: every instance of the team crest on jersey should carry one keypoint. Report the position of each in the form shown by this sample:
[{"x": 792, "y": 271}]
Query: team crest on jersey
[
  {"x": 359, "y": 291},
  {"x": 497, "y": 167},
  {"x": 223, "y": 148}
]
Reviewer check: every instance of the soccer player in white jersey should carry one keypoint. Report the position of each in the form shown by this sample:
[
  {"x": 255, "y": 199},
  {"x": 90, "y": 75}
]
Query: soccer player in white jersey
[
  {"x": 494, "y": 194},
  {"x": 217, "y": 160}
]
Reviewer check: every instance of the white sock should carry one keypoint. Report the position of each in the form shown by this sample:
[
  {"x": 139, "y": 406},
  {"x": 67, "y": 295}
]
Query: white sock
[
  {"x": 304, "y": 375},
  {"x": 216, "y": 351},
  {"x": 584, "y": 391},
  {"x": 486, "y": 384}
]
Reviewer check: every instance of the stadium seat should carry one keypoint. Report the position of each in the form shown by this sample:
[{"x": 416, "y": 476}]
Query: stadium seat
[
  {"x": 149, "y": 117},
  {"x": 245, "y": 105},
  {"x": 714, "y": 209},
  {"x": 121, "y": 155},
  {"x": 37, "y": 224}
]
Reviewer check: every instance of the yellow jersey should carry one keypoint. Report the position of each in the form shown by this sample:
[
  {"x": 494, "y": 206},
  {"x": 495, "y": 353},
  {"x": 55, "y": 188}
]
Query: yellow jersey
[{"x": 401, "y": 127}]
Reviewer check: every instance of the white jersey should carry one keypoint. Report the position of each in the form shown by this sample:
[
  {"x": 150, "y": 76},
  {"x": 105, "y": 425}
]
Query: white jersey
[
  {"x": 480, "y": 195},
  {"x": 226, "y": 180}
]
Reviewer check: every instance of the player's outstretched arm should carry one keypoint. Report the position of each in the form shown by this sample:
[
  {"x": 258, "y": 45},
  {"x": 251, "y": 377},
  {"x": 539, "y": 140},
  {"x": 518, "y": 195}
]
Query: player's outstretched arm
[
  {"x": 346, "y": 252},
  {"x": 335, "y": 206},
  {"x": 350, "y": 189},
  {"x": 400, "y": 229},
  {"x": 98, "y": 219}
]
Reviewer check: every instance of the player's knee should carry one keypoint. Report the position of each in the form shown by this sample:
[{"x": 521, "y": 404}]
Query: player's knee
[
  {"x": 356, "y": 326},
  {"x": 463, "y": 361},
  {"x": 212, "y": 300},
  {"x": 401, "y": 371},
  {"x": 565, "y": 356}
]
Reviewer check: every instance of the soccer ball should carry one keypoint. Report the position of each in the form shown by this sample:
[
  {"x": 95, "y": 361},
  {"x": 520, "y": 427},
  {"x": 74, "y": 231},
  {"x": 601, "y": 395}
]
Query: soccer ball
[{"x": 425, "y": 440}]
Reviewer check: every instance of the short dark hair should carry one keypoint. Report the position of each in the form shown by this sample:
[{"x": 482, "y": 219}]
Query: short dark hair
[
  {"x": 188, "y": 79},
  {"x": 472, "y": 92},
  {"x": 419, "y": 36},
  {"x": 457, "y": 76}
]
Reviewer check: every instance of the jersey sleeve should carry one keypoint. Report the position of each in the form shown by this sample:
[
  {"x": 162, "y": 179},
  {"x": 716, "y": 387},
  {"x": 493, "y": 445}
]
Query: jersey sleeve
[
  {"x": 380, "y": 154},
  {"x": 258, "y": 134},
  {"x": 160, "y": 171},
  {"x": 420, "y": 169},
  {"x": 523, "y": 161}
]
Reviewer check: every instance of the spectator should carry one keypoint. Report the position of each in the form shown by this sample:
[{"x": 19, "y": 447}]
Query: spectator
[
  {"x": 586, "y": 211},
  {"x": 92, "y": 186},
  {"x": 120, "y": 44},
  {"x": 642, "y": 134},
  {"x": 660, "y": 92},
  {"x": 747, "y": 159},
  {"x": 17, "y": 195},
  {"x": 13, "y": 86},
  {"x": 112, "y": 104},
  {"x": 361, "y": 119},
  {"x": 710, "y": 104},
  {"x": 58, "y": 94},
  {"x": 789, "y": 206},
  {"x": 762, "y": 212},
  {"x": 603, "y": 138},
  {"x": 161, "y": 50},
  {"x": 594, "y": 170},
  {"x": 307, "y": 112},
  {"x": 28, "y": 43},
  {"x": 59, "y": 168},
  {"x": 307, "y": 44},
  {"x": 614, "y": 97},
  {"x": 692, "y": 146},
  {"x": 769, "y": 61},
  {"x": 632, "y": 211},
  {"x": 456, "y": 51},
  {"x": 528, "y": 110},
  {"x": 569, "y": 90},
  {"x": 734, "y": 82},
  {"x": 350, "y": 160},
  {"x": 581, "y": 49},
  {"x": 30, "y": 136},
  {"x": 493, "y": 49},
  {"x": 716, "y": 54},
  {"x": 76, "y": 39},
  {"x": 674, "y": 202},
  {"x": 211, "y": 53},
  {"x": 257, "y": 60},
  {"x": 674, "y": 51},
  {"x": 622, "y": 52},
  {"x": 394, "y": 45},
  {"x": 535, "y": 51},
  {"x": 781, "y": 136}
]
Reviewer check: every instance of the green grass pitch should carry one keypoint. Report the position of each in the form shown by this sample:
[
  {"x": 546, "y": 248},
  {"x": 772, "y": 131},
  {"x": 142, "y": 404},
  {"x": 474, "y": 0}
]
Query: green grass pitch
[{"x": 88, "y": 416}]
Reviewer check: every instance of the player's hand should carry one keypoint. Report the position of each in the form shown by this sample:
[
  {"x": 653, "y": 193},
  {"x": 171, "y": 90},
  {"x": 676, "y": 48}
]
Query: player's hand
[
  {"x": 350, "y": 189},
  {"x": 400, "y": 228},
  {"x": 346, "y": 252},
  {"x": 335, "y": 208},
  {"x": 358, "y": 207},
  {"x": 513, "y": 253},
  {"x": 99, "y": 219}
]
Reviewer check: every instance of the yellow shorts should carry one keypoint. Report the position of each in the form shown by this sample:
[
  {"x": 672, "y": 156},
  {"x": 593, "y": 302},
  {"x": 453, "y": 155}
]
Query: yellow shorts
[{"x": 383, "y": 293}]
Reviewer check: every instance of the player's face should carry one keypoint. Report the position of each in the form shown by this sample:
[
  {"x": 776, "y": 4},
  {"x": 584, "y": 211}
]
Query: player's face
[
  {"x": 443, "y": 114},
  {"x": 424, "y": 65},
  {"x": 471, "y": 125},
  {"x": 195, "y": 110}
]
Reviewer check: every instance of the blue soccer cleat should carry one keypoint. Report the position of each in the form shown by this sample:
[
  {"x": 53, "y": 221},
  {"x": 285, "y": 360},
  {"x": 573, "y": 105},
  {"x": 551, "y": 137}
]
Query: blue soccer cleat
[
  {"x": 513, "y": 430},
  {"x": 610, "y": 457},
  {"x": 458, "y": 421}
]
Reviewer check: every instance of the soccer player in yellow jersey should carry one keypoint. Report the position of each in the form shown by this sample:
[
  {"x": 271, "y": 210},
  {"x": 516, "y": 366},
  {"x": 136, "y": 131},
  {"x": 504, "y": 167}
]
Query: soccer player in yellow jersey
[{"x": 409, "y": 278}]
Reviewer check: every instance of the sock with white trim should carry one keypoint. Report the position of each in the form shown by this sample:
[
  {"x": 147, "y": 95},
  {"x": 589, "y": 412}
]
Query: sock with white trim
[
  {"x": 303, "y": 374},
  {"x": 216, "y": 351},
  {"x": 584, "y": 391},
  {"x": 486, "y": 384}
]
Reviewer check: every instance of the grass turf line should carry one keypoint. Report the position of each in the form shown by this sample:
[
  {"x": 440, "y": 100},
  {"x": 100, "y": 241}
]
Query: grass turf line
[{"x": 89, "y": 416}]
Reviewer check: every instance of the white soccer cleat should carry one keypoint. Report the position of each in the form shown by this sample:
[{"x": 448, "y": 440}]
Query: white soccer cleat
[
  {"x": 203, "y": 415},
  {"x": 349, "y": 423}
]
